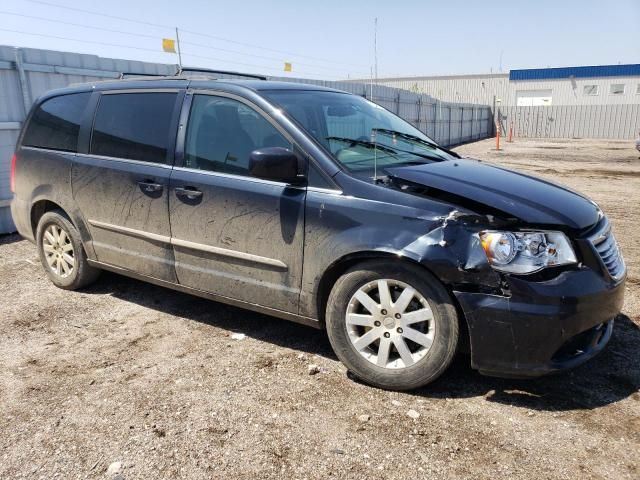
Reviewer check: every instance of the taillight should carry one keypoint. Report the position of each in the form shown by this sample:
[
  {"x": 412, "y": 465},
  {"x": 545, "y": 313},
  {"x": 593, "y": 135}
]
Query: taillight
[{"x": 12, "y": 183}]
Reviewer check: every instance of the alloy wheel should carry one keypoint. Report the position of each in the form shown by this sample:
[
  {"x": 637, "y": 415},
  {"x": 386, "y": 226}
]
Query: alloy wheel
[
  {"x": 58, "y": 251},
  {"x": 390, "y": 323}
]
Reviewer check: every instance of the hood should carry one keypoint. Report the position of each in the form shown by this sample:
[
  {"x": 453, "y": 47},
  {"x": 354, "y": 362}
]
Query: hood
[{"x": 530, "y": 199}]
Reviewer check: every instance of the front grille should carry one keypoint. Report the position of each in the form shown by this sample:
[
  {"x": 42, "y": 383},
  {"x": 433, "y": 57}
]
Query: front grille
[{"x": 605, "y": 244}]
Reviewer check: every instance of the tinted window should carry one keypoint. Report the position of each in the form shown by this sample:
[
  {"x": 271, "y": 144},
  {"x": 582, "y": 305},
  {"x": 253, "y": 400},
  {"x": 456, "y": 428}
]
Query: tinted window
[
  {"x": 223, "y": 132},
  {"x": 134, "y": 126},
  {"x": 317, "y": 179},
  {"x": 56, "y": 122}
]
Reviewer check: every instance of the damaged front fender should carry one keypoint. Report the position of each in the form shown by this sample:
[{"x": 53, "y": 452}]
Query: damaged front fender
[{"x": 441, "y": 238}]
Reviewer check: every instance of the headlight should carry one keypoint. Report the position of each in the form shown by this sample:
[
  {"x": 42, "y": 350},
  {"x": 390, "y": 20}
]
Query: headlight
[{"x": 526, "y": 252}]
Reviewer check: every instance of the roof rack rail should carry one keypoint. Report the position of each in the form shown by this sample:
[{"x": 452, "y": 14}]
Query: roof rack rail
[
  {"x": 180, "y": 72},
  {"x": 220, "y": 72},
  {"x": 124, "y": 75}
]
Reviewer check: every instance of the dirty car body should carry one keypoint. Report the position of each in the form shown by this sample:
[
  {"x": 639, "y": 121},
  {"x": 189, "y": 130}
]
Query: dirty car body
[{"x": 279, "y": 247}]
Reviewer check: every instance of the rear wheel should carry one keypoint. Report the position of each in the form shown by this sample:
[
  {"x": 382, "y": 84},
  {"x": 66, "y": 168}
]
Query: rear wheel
[
  {"x": 393, "y": 326},
  {"x": 61, "y": 252}
]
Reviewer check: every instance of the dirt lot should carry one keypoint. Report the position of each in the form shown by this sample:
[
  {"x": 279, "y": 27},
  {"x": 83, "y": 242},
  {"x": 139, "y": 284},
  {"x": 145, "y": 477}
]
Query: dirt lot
[{"x": 132, "y": 373}]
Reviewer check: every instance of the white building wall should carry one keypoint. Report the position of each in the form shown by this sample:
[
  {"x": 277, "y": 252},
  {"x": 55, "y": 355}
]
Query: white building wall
[
  {"x": 478, "y": 89},
  {"x": 481, "y": 89}
]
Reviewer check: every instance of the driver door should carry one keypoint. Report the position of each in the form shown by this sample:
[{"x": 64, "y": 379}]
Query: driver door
[{"x": 234, "y": 235}]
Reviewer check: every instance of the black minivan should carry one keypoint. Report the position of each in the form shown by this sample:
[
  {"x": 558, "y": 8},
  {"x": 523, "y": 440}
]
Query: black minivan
[{"x": 320, "y": 207}]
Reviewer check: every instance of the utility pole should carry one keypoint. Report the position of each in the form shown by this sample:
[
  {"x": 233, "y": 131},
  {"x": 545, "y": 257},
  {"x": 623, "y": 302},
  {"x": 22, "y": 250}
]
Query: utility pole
[
  {"x": 179, "y": 53},
  {"x": 375, "y": 48},
  {"x": 371, "y": 86}
]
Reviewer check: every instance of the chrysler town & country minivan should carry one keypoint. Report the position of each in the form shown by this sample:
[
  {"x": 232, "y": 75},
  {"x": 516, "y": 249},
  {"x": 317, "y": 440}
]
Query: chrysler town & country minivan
[{"x": 320, "y": 207}]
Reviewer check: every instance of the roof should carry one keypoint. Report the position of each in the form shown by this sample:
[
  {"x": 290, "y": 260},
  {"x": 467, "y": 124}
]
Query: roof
[
  {"x": 576, "y": 72},
  {"x": 182, "y": 82}
]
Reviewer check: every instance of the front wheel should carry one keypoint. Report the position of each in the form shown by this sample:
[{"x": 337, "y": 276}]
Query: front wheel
[{"x": 393, "y": 326}]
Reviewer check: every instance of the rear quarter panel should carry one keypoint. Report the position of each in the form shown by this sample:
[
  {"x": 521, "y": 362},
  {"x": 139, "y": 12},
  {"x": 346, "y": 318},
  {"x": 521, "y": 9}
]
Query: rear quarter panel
[{"x": 44, "y": 175}]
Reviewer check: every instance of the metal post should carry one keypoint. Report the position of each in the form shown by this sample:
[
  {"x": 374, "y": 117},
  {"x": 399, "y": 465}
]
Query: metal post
[
  {"x": 473, "y": 120},
  {"x": 398, "y": 104},
  {"x": 179, "y": 53},
  {"x": 419, "y": 111},
  {"x": 371, "y": 85},
  {"x": 24, "y": 86},
  {"x": 449, "y": 125}
]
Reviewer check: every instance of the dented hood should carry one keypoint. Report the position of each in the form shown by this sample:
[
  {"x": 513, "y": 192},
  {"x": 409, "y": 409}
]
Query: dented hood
[{"x": 530, "y": 199}]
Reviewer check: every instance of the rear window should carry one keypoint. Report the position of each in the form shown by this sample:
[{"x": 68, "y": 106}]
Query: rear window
[
  {"x": 134, "y": 126},
  {"x": 56, "y": 122}
]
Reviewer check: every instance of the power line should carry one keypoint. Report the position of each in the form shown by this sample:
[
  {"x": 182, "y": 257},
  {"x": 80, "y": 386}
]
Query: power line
[
  {"x": 79, "y": 40},
  {"x": 263, "y": 57},
  {"x": 269, "y": 49},
  {"x": 62, "y": 22},
  {"x": 261, "y": 67},
  {"x": 247, "y": 64},
  {"x": 115, "y": 17},
  {"x": 156, "y": 37},
  {"x": 159, "y": 25}
]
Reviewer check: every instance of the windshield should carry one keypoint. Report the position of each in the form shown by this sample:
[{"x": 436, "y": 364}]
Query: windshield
[{"x": 364, "y": 137}]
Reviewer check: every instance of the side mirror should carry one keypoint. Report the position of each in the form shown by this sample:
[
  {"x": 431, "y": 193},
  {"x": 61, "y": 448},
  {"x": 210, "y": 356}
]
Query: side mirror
[{"x": 274, "y": 163}]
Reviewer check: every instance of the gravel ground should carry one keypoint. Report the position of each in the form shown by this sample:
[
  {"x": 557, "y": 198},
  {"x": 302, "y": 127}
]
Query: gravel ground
[{"x": 129, "y": 380}]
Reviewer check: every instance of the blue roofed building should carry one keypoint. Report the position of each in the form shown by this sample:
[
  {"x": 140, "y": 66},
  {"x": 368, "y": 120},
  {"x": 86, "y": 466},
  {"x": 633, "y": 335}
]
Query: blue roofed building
[{"x": 581, "y": 85}]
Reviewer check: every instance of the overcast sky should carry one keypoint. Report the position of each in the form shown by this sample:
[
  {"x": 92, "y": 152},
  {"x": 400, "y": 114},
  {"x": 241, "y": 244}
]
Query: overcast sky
[{"x": 333, "y": 39}]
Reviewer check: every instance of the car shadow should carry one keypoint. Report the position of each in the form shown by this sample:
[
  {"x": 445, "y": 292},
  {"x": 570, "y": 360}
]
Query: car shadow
[
  {"x": 7, "y": 238},
  {"x": 610, "y": 377}
]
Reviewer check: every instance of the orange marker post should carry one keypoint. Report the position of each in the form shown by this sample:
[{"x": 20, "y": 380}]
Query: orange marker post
[
  {"x": 510, "y": 140},
  {"x": 498, "y": 138}
]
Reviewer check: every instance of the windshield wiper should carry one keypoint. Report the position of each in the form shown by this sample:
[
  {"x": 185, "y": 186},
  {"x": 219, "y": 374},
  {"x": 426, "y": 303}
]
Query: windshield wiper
[
  {"x": 415, "y": 138},
  {"x": 364, "y": 143},
  {"x": 384, "y": 148}
]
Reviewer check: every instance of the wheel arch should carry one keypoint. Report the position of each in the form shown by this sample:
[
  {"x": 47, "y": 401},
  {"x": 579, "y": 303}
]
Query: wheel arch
[
  {"x": 39, "y": 208},
  {"x": 344, "y": 263},
  {"x": 45, "y": 203}
]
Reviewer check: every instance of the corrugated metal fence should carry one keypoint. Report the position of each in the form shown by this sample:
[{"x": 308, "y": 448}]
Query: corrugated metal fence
[
  {"x": 572, "y": 121},
  {"x": 27, "y": 73}
]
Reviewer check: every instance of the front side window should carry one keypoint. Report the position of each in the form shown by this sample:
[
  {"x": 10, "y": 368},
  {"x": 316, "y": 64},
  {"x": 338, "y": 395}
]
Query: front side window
[
  {"x": 617, "y": 89},
  {"x": 222, "y": 133},
  {"x": 134, "y": 126},
  {"x": 362, "y": 136},
  {"x": 591, "y": 89},
  {"x": 55, "y": 124}
]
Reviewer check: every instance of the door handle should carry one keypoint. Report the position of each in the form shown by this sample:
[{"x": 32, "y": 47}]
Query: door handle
[
  {"x": 190, "y": 192},
  {"x": 149, "y": 186}
]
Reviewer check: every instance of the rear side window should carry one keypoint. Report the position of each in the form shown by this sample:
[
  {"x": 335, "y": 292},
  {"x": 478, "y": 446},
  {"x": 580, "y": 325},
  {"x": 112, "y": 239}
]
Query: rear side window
[
  {"x": 56, "y": 122},
  {"x": 135, "y": 126}
]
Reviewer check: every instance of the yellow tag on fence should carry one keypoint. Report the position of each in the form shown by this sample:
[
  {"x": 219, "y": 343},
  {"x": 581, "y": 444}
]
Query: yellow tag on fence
[{"x": 169, "y": 45}]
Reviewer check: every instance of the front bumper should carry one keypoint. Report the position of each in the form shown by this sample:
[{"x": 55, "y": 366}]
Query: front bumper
[{"x": 542, "y": 327}]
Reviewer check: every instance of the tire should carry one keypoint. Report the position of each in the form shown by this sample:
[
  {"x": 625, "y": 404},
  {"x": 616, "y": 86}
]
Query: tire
[
  {"x": 55, "y": 252},
  {"x": 438, "y": 333}
]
